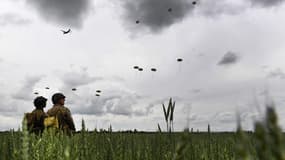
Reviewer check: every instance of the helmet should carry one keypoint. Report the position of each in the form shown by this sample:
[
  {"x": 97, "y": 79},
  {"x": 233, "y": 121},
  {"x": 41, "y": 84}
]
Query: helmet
[
  {"x": 40, "y": 102},
  {"x": 56, "y": 97}
]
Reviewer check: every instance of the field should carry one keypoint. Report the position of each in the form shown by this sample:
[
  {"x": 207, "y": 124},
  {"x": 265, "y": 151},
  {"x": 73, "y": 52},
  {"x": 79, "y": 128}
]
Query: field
[
  {"x": 140, "y": 146},
  {"x": 121, "y": 146},
  {"x": 265, "y": 143}
]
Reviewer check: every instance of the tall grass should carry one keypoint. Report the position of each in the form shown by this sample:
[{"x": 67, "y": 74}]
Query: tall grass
[
  {"x": 268, "y": 139},
  {"x": 169, "y": 115},
  {"x": 265, "y": 143}
]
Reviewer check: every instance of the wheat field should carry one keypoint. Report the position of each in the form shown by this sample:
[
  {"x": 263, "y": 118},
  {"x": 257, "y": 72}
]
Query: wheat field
[{"x": 265, "y": 143}]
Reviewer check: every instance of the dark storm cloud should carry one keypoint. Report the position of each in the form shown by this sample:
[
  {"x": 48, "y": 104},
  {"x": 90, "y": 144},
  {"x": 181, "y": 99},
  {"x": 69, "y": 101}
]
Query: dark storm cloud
[
  {"x": 153, "y": 14},
  {"x": 26, "y": 91},
  {"x": 13, "y": 19},
  {"x": 266, "y": 3},
  {"x": 229, "y": 58},
  {"x": 64, "y": 12},
  {"x": 277, "y": 73}
]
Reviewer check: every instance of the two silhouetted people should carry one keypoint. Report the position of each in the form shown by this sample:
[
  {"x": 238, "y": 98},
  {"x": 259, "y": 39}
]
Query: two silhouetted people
[{"x": 61, "y": 115}]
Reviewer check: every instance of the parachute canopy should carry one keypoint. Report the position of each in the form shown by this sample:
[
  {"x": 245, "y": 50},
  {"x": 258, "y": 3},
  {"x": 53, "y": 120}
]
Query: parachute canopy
[
  {"x": 179, "y": 59},
  {"x": 136, "y": 67}
]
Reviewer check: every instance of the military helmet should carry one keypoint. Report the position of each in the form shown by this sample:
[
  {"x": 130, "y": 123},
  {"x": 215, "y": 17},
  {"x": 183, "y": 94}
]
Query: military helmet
[
  {"x": 40, "y": 102},
  {"x": 56, "y": 97}
]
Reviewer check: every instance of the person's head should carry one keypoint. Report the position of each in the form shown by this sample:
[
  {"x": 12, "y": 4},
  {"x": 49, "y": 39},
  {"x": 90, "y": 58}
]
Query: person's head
[
  {"x": 40, "y": 102},
  {"x": 58, "y": 98}
]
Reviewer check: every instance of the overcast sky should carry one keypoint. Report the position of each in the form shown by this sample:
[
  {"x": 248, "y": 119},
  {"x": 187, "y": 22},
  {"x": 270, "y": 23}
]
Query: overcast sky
[{"x": 232, "y": 50}]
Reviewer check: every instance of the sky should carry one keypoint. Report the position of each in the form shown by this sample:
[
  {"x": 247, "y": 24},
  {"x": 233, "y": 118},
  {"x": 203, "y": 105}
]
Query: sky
[{"x": 232, "y": 51}]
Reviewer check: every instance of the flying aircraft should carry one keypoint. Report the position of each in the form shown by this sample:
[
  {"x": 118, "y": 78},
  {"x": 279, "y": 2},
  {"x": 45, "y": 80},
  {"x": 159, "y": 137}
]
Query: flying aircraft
[{"x": 66, "y": 32}]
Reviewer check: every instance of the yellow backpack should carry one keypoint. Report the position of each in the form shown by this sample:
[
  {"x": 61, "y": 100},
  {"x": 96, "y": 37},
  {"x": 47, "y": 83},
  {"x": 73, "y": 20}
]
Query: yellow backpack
[{"x": 51, "y": 122}]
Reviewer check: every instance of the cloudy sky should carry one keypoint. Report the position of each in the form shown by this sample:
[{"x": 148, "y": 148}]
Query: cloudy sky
[{"x": 232, "y": 51}]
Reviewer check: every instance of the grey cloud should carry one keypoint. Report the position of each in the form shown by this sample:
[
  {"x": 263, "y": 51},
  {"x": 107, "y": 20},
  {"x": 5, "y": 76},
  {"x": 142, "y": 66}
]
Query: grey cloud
[
  {"x": 63, "y": 12},
  {"x": 266, "y": 3},
  {"x": 229, "y": 58},
  {"x": 196, "y": 91},
  {"x": 116, "y": 102},
  {"x": 197, "y": 119},
  {"x": 25, "y": 92},
  {"x": 277, "y": 73},
  {"x": 77, "y": 78},
  {"x": 210, "y": 8},
  {"x": 5, "y": 105},
  {"x": 13, "y": 19},
  {"x": 225, "y": 117},
  {"x": 153, "y": 14},
  {"x": 232, "y": 117}
]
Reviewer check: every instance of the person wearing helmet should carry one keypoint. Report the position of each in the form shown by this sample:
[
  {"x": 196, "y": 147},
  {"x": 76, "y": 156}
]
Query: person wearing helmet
[
  {"x": 62, "y": 113},
  {"x": 35, "y": 120}
]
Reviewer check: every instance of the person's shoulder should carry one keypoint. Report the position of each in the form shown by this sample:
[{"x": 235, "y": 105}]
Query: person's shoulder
[
  {"x": 38, "y": 111},
  {"x": 65, "y": 109},
  {"x": 52, "y": 110}
]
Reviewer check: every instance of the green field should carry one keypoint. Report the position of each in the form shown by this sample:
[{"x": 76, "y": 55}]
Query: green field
[
  {"x": 121, "y": 146},
  {"x": 265, "y": 143}
]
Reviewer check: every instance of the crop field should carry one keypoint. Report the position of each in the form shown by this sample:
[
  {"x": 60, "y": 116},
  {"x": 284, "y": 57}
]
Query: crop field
[
  {"x": 265, "y": 143},
  {"x": 121, "y": 146}
]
